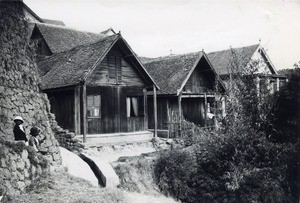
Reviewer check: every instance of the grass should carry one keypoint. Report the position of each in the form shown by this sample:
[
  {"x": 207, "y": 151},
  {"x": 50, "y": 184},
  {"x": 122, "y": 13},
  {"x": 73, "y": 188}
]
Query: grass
[
  {"x": 60, "y": 187},
  {"x": 137, "y": 174}
]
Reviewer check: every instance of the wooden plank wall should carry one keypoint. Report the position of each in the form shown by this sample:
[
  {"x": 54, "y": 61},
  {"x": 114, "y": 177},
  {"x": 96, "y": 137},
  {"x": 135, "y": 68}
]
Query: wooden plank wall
[
  {"x": 162, "y": 113},
  {"x": 198, "y": 83},
  {"x": 129, "y": 74},
  {"x": 62, "y": 105},
  {"x": 113, "y": 110},
  {"x": 193, "y": 110}
]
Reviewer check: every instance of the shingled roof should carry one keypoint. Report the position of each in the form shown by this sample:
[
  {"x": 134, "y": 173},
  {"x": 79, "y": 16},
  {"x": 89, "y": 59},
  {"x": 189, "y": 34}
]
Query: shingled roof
[
  {"x": 223, "y": 61},
  {"x": 61, "y": 38},
  {"x": 71, "y": 67},
  {"x": 74, "y": 66},
  {"x": 171, "y": 72}
]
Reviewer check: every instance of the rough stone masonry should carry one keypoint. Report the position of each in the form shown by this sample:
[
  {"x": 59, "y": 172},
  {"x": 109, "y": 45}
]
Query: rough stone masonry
[{"x": 20, "y": 95}]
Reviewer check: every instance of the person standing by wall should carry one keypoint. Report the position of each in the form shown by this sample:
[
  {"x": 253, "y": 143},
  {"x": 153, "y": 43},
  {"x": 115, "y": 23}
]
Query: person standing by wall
[{"x": 19, "y": 130}]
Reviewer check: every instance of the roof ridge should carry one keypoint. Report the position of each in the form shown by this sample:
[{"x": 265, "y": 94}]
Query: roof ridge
[
  {"x": 78, "y": 47},
  {"x": 67, "y": 28},
  {"x": 234, "y": 48},
  {"x": 161, "y": 58}
]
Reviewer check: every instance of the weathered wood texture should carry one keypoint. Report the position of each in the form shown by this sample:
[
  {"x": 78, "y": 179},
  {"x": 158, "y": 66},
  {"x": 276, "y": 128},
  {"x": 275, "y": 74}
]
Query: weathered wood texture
[
  {"x": 62, "y": 105},
  {"x": 201, "y": 80},
  {"x": 193, "y": 110},
  {"x": 115, "y": 69},
  {"x": 113, "y": 110}
]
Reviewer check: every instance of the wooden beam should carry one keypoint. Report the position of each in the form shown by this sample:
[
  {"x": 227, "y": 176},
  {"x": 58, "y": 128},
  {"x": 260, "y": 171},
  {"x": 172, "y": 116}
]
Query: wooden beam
[
  {"x": 145, "y": 109},
  {"x": 76, "y": 110},
  {"x": 205, "y": 110},
  {"x": 179, "y": 112},
  {"x": 197, "y": 96},
  {"x": 84, "y": 112},
  {"x": 155, "y": 110}
]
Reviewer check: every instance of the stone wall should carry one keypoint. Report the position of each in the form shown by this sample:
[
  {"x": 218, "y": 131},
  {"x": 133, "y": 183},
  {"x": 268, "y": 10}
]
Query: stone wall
[
  {"x": 20, "y": 95},
  {"x": 19, "y": 83},
  {"x": 19, "y": 166},
  {"x": 67, "y": 140}
]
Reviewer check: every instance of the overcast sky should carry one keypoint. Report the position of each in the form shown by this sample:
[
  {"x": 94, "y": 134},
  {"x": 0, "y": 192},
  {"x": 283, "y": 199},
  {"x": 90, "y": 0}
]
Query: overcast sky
[{"x": 153, "y": 28}]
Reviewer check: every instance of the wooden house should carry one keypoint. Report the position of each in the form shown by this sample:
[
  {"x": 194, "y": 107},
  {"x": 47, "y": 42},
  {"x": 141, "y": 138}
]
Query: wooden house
[
  {"x": 189, "y": 89},
  {"x": 97, "y": 88},
  {"x": 247, "y": 60}
]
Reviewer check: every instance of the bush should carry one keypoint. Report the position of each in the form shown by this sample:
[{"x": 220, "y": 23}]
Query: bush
[{"x": 237, "y": 166}]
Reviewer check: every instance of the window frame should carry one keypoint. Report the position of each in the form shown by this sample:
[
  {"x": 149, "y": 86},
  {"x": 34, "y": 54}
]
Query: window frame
[{"x": 93, "y": 106}]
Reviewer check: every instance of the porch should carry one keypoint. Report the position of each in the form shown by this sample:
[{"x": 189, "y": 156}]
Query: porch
[{"x": 92, "y": 140}]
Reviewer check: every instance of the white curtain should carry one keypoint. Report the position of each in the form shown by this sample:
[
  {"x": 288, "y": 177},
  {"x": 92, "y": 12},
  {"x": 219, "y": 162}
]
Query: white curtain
[
  {"x": 135, "y": 106},
  {"x": 128, "y": 106}
]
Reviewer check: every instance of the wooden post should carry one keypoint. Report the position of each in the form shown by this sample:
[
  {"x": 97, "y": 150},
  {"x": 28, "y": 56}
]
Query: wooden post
[
  {"x": 215, "y": 111},
  {"x": 205, "y": 110},
  {"x": 179, "y": 113},
  {"x": 277, "y": 81},
  {"x": 84, "y": 112},
  {"x": 75, "y": 113},
  {"x": 155, "y": 110},
  {"x": 145, "y": 109},
  {"x": 168, "y": 118}
]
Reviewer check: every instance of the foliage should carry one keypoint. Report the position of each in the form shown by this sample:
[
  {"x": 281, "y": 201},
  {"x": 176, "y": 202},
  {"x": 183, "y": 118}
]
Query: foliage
[
  {"x": 241, "y": 163},
  {"x": 284, "y": 123}
]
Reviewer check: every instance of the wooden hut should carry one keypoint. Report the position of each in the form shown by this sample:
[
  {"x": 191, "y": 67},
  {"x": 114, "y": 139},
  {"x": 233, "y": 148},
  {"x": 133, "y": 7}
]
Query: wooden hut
[
  {"x": 97, "y": 88},
  {"x": 247, "y": 60},
  {"x": 189, "y": 89}
]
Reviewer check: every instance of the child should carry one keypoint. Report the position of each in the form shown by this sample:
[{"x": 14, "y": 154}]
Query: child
[
  {"x": 19, "y": 130},
  {"x": 33, "y": 140}
]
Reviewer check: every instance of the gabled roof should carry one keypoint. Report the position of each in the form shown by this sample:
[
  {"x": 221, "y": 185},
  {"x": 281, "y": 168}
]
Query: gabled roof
[
  {"x": 172, "y": 72},
  {"x": 74, "y": 66},
  {"x": 61, "y": 38},
  {"x": 235, "y": 59}
]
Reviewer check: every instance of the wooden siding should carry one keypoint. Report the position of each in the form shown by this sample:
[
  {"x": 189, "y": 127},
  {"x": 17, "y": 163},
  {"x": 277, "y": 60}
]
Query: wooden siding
[
  {"x": 115, "y": 69},
  {"x": 62, "y": 106},
  {"x": 113, "y": 110},
  {"x": 193, "y": 110},
  {"x": 197, "y": 83},
  {"x": 162, "y": 113}
]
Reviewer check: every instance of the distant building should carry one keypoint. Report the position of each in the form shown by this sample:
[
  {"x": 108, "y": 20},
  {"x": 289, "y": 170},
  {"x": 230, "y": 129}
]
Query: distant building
[
  {"x": 247, "y": 60},
  {"x": 190, "y": 89}
]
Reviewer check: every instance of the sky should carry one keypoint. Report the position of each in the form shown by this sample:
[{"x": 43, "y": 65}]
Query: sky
[{"x": 160, "y": 27}]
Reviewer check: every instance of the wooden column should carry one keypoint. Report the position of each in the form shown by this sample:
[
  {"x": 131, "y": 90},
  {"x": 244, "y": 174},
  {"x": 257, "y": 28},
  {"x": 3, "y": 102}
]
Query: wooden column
[
  {"x": 155, "y": 110},
  {"x": 84, "y": 112},
  {"x": 205, "y": 110},
  {"x": 179, "y": 112},
  {"x": 76, "y": 113},
  {"x": 277, "y": 81},
  {"x": 145, "y": 109}
]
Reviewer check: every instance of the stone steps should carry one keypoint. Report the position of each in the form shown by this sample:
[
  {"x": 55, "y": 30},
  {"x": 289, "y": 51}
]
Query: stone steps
[{"x": 116, "y": 138}]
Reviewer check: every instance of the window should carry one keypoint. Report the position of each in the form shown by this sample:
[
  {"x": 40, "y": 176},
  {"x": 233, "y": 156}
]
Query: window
[
  {"x": 94, "y": 106},
  {"x": 134, "y": 106},
  {"x": 115, "y": 68}
]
